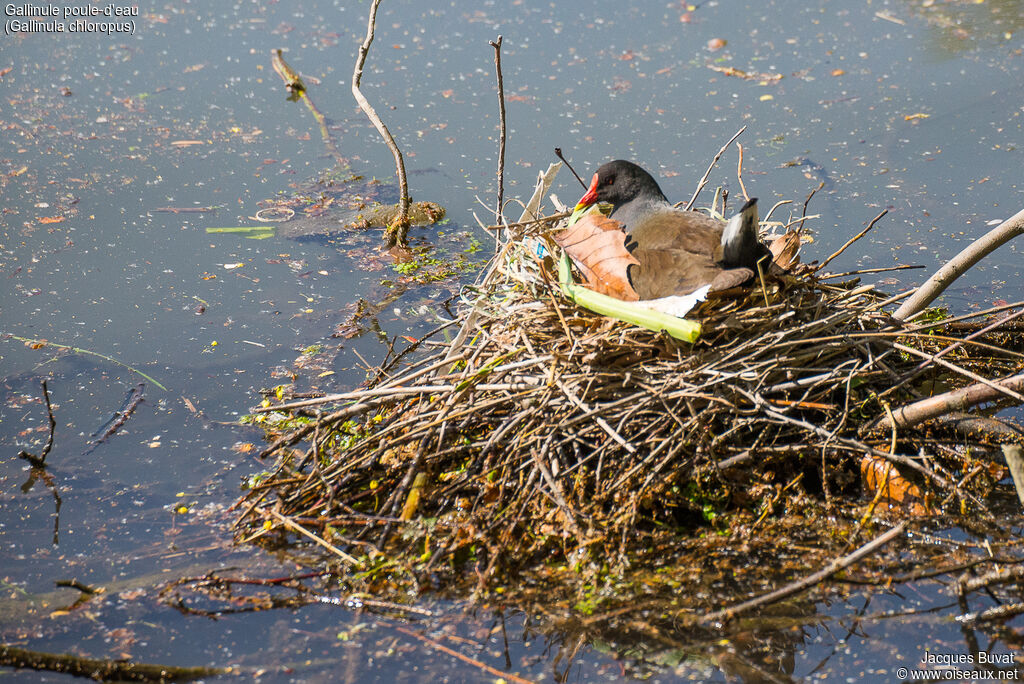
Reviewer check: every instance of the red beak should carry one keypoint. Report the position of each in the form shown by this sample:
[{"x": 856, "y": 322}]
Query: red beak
[{"x": 591, "y": 195}]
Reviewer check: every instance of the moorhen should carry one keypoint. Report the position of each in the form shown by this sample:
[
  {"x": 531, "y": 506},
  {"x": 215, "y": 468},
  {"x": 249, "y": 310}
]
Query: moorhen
[{"x": 679, "y": 251}]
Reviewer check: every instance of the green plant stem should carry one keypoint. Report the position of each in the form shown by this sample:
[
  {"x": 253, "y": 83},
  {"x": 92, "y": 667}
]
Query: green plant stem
[{"x": 79, "y": 350}]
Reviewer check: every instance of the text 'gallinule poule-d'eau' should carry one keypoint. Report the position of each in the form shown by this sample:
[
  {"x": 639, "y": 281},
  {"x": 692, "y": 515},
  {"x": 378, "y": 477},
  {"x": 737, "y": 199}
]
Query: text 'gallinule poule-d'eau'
[{"x": 679, "y": 251}]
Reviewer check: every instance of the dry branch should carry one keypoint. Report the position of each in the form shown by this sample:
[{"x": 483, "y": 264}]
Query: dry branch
[
  {"x": 498, "y": 218},
  {"x": 707, "y": 174},
  {"x": 397, "y": 231},
  {"x": 960, "y": 264},
  {"x": 953, "y": 401}
]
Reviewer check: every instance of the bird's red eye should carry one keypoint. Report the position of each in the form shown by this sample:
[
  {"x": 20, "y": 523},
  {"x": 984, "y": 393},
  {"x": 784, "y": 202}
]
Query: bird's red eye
[{"x": 610, "y": 181}]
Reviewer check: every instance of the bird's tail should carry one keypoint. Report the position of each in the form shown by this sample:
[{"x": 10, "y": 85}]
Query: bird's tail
[{"x": 741, "y": 244}]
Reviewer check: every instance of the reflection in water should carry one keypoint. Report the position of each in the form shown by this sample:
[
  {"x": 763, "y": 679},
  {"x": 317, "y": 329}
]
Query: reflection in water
[{"x": 965, "y": 26}]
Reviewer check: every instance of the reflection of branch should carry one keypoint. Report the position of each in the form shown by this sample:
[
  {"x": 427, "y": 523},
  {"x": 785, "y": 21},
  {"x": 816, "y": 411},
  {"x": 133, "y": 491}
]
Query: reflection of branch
[
  {"x": 809, "y": 581},
  {"x": 105, "y": 670},
  {"x": 131, "y": 402},
  {"x": 38, "y": 470},
  {"x": 507, "y": 676},
  {"x": 294, "y": 85},
  {"x": 397, "y": 231}
]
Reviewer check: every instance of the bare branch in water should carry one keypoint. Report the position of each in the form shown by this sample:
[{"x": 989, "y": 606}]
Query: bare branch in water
[
  {"x": 496, "y": 44},
  {"x": 960, "y": 264},
  {"x": 396, "y": 233}
]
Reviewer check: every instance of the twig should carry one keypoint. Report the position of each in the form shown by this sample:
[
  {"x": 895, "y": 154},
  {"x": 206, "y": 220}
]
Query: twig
[
  {"x": 849, "y": 242},
  {"x": 865, "y": 271},
  {"x": 960, "y": 264},
  {"x": 726, "y": 614},
  {"x": 934, "y": 358},
  {"x": 396, "y": 233},
  {"x": 771, "y": 211},
  {"x": 385, "y": 389},
  {"x": 40, "y": 460},
  {"x": 533, "y": 222},
  {"x": 496, "y": 44},
  {"x": 921, "y": 367},
  {"x": 492, "y": 273},
  {"x": 808, "y": 200},
  {"x": 704, "y": 179},
  {"x": 739, "y": 174},
  {"x": 967, "y": 584},
  {"x": 558, "y": 153},
  {"x": 295, "y": 527},
  {"x": 557, "y": 496}
]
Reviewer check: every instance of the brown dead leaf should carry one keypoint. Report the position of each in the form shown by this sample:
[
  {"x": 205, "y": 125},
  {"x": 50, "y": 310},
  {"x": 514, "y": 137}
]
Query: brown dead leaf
[
  {"x": 597, "y": 245},
  {"x": 401, "y": 254},
  {"x": 883, "y": 481},
  {"x": 785, "y": 250},
  {"x": 51, "y": 219}
]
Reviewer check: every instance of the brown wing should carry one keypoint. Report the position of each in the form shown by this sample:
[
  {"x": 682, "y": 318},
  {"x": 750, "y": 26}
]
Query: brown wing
[
  {"x": 733, "y": 277},
  {"x": 686, "y": 230},
  {"x": 667, "y": 272}
]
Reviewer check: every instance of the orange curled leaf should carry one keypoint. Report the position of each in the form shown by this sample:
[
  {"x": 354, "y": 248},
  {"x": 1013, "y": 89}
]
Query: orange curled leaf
[
  {"x": 597, "y": 245},
  {"x": 881, "y": 479}
]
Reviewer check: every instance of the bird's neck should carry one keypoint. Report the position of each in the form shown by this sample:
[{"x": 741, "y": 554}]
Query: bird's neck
[{"x": 634, "y": 211}]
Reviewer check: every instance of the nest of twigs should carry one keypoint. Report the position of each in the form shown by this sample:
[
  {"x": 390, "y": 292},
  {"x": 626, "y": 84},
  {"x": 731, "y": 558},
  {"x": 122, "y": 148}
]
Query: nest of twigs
[{"x": 549, "y": 443}]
